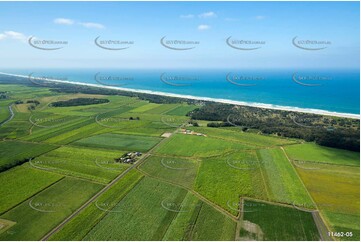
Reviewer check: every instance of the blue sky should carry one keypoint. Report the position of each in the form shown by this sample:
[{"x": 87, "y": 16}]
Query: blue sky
[{"x": 210, "y": 23}]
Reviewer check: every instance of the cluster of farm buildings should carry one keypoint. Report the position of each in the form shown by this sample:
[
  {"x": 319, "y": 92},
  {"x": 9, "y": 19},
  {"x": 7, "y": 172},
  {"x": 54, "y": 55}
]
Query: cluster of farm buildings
[
  {"x": 129, "y": 158},
  {"x": 191, "y": 132}
]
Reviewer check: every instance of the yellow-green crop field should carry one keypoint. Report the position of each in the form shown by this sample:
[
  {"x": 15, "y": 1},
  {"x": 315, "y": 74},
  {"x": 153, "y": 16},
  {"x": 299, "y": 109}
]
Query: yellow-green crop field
[{"x": 130, "y": 169}]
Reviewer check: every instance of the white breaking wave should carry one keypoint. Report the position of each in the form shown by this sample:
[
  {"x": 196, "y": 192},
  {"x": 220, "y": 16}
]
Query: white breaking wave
[{"x": 219, "y": 100}]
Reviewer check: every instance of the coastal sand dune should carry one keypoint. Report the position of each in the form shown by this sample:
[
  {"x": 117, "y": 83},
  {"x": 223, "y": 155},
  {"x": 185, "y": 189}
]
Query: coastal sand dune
[{"x": 226, "y": 101}]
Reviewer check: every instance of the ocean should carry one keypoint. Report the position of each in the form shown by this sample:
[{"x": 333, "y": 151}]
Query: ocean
[{"x": 328, "y": 90}]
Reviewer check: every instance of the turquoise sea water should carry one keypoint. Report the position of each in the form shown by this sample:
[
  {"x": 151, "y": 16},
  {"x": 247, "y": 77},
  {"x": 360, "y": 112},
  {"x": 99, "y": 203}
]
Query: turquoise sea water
[{"x": 330, "y": 90}]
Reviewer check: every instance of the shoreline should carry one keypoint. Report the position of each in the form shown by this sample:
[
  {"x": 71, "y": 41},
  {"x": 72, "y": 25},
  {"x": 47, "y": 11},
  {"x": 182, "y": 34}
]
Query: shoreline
[{"x": 207, "y": 99}]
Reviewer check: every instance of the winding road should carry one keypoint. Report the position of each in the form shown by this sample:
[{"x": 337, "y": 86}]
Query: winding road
[{"x": 11, "y": 115}]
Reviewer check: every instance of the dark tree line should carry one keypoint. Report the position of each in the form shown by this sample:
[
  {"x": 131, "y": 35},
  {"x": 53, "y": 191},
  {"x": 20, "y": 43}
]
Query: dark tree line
[
  {"x": 328, "y": 131},
  {"x": 324, "y": 130},
  {"x": 12, "y": 164},
  {"x": 4, "y": 95},
  {"x": 79, "y": 102},
  {"x": 36, "y": 102}
]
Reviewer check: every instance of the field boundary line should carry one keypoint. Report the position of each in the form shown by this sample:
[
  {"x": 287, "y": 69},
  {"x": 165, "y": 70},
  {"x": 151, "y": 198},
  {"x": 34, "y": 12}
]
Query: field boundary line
[
  {"x": 28, "y": 159},
  {"x": 31, "y": 142},
  {"x": 320, "y": 224},
  {"x": 32, "y": 195},
  {"x": 106, "y": 213},
  {"x": 75, "y": 177},
  {"x": 237, "y": 141},
  {"x": 164, "y": 112},
  {"x": 299, "y": 178},
  {"x": 278, "y": 204},
  {"x": 104, "y": 189},
  {"x": 174, "y": 216},
  {"x": 300, "y": 143},
  {"x": 325, "y": 163},
  {"x": 203, "y": 199},
  {"x": 298, "y": 175},
  {"x": 303, "y": 229},
  {"x": 46, "y": 106},
  {"x": 56, "y": 98},
  {"x": 261, "y": 169},
  {"x": 195, "y": 221},
  {"x": 71, "y": 145},
  {"x": 173, "y": 156},
  {"x": 314, "y": 213},
  {"x": 87, "y": 203},
  {"x": 202, "y": 157},
  {"x": 252, "y": 144},
  {"x": 239, "y": 225},
  {"x": 84, "y": 120}
]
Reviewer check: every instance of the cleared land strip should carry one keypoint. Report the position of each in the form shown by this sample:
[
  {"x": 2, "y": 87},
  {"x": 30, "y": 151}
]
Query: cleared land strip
[
  {"x": 320, "y": 162},
  {"x": 321, "y": 226},
  {"x": 237, "y": 236},
  {"x": 11, "y": 115},
  {"x": 280, "y": 204},
  {"x": 261, "y": 170},
  {"x": 107, "y": 187},
  {"x": 289, "y": 160}
]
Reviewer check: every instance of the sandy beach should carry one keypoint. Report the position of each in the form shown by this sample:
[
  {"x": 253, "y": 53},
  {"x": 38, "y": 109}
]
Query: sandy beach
[{"x": 226, "y": 101}]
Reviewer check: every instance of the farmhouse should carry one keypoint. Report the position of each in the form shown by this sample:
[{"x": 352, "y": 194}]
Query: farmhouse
[{"x": 191, "y": 132}]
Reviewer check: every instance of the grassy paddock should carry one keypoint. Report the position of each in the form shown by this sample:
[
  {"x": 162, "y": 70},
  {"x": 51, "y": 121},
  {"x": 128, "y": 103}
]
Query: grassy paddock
[
  {"x": 141, "y": 215},
  {"x": 198, "y": 146},
  {"x": 14, "y": 152},
  {"x": 93, "y": 164},
  {"x": 22, "y": 182},
  {"x": 224, "y": 180},
  {"x": 264, "y": 221},
  {"x": 340, "y": 205},
  {"x": 244, "y": 137},
  {"x": 119, "y": 141},
  {"x": 177, "y": 170},
  {"x": 38, "y": 215},
  {"x": 317, "y": 153},
  {"x": 283, "y": 183},
  {"x": 181, "y": 110},
  {"x": 80, "y": 226}
]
